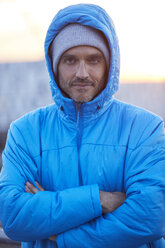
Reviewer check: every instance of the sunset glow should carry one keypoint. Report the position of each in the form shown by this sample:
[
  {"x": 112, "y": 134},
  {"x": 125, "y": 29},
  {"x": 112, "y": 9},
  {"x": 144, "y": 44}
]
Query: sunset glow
[{"x": 139, "y": 25}]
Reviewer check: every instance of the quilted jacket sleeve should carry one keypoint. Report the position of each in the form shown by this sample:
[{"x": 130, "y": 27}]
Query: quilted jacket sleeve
[
  {"x": 140, "y": 220},
  {"x": 27, "y": 217}
]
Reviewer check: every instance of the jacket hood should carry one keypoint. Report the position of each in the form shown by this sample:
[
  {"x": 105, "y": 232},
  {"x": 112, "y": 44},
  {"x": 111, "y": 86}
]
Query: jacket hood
[{"x": 96, "y": 17}]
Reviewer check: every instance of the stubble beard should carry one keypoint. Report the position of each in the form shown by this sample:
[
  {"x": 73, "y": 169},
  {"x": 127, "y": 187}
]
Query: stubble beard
[{"x": 83, "y": 96}]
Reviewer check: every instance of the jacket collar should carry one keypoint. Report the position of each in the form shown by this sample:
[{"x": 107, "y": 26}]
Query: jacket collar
[{"x": 68, "y": 109}]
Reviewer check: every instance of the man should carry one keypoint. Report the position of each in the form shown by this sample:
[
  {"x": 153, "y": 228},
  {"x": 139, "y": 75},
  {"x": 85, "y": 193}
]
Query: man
[{"x": 67, "y": 167}]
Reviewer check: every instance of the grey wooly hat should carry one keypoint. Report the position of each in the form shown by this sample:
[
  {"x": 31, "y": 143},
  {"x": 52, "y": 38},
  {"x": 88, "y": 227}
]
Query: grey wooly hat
[{"x": 74, "y": 35}]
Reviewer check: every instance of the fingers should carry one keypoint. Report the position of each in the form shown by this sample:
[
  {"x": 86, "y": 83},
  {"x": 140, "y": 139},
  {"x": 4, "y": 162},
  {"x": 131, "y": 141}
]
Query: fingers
[
  {"x": 110, "y": 201},
  {"x": 39, "y": 186},
  {"x": 30, "y": 188},
  {"x": 53, "y": 238}
]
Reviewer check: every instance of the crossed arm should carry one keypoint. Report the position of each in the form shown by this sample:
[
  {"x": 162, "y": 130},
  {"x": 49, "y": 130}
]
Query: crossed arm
[
  {"x": 109, "y": 201},
  {"x": 139, "y": 218}
]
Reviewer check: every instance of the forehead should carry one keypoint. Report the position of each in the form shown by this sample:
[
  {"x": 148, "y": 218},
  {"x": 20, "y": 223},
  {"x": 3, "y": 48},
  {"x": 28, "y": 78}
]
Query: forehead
[{"x": 82, "y": 50}]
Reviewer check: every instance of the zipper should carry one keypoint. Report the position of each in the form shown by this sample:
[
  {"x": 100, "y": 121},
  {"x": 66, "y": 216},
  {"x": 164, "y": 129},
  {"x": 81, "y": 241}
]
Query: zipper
[
  {"x": 78, "y": 127},
  {"x": 78, "y": 124}
]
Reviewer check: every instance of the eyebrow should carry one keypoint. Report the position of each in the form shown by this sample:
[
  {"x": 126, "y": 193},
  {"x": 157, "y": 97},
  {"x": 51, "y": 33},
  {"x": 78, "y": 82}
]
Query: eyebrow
[
  {"x": 97, "y": 55},
  {"x": 68, "y": 56}
]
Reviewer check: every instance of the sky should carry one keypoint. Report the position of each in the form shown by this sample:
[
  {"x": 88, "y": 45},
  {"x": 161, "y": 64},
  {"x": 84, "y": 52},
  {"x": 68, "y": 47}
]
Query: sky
[{"x": 140, "y": 26}]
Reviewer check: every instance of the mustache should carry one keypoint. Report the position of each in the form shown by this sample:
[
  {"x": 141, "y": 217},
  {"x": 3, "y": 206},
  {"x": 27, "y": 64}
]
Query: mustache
[{"x": 81, "y": 81}]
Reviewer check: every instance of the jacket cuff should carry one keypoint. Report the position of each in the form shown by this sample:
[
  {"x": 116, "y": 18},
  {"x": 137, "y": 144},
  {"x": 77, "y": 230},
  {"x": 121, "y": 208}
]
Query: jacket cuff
[
  {"x": 80, "y": 205},
  {"x": 97, "y": 210},
  {"x": 96, "y": 200}
]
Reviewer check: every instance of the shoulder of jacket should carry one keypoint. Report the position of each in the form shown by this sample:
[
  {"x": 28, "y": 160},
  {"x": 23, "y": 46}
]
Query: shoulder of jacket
[
  {"x": 30, "y": 125},
  {"x": 137, "y": 113},
  {"x": 26, "y": 131},
  {"x": 33, "y": 117},
  {"x": 138, "y": 124}
]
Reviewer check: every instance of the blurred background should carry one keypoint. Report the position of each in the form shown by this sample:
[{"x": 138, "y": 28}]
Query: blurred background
[{"x": 24, "y": 81}]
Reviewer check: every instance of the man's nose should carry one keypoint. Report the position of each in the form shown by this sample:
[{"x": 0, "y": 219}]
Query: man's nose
[{"x": 82, "y": 70}]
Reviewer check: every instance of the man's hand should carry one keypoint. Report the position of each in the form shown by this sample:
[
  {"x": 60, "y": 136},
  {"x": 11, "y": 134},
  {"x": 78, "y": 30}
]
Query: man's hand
[
  {"x": 111, "y": 200},
  {"x": 30, "y": 188}
]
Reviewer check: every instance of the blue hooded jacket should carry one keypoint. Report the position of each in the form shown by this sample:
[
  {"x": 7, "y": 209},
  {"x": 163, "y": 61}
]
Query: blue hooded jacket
[{"x": 106, "y": 145}]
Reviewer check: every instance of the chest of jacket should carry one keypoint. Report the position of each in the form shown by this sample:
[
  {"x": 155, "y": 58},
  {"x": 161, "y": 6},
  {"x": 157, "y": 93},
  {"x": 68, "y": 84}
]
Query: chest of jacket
[{"x": 87, "y": 153}]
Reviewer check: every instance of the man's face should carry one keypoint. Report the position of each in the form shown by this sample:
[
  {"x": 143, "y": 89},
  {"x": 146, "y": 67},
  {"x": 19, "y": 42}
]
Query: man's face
[{"x": 82, "y": 73}]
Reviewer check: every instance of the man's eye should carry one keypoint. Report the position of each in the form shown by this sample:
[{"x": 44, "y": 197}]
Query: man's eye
[
  {"x": 69, "y": 61},
  {"x": 94, "y": 60}
]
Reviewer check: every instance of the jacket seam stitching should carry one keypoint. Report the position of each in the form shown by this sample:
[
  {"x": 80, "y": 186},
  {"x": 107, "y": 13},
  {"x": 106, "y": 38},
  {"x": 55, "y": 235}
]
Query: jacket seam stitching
[{"x": 60, "y": 148}]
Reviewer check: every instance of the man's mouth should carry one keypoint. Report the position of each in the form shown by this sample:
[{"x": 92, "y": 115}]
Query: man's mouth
[{"x": 83, "y": 83}]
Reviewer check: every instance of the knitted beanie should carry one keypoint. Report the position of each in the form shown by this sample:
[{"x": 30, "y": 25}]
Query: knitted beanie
[{"x": 74, "y": 35}]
